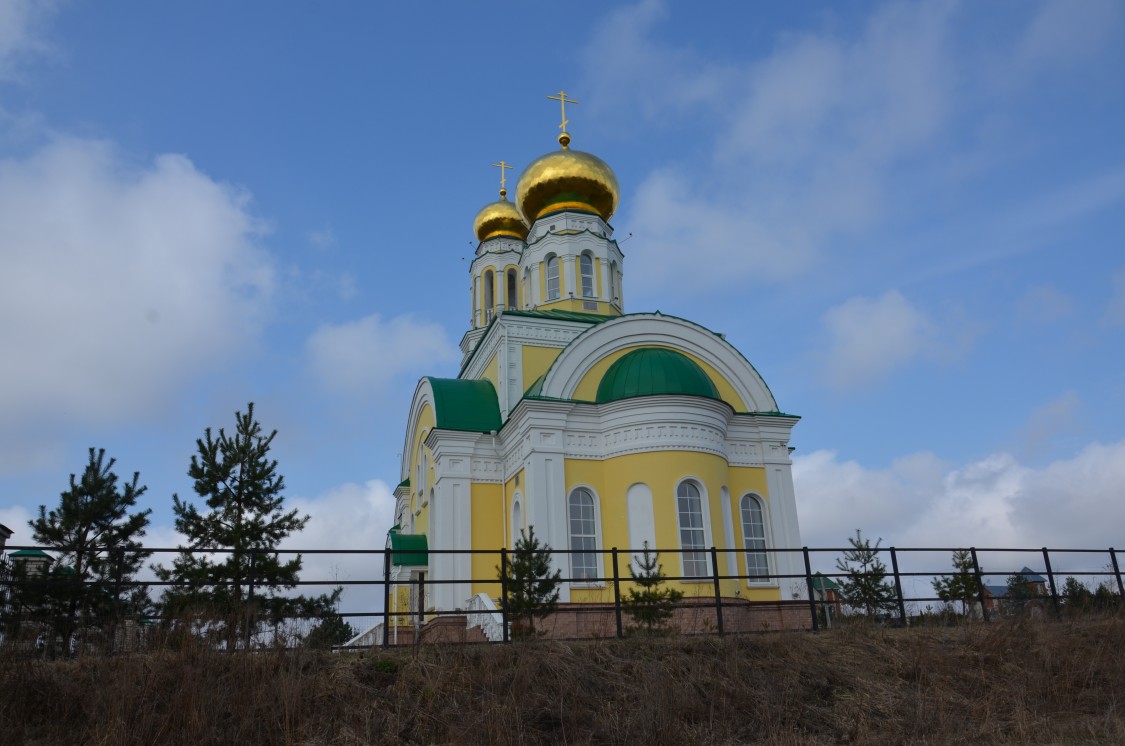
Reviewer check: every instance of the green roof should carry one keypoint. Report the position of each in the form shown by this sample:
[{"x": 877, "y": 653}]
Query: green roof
[
  {"x": 822, "y": 583},
  {"x": 30, "y": 553},
  {"x": 404, "y": 483},
  {"x": 536, "y": 388},
  {"x": 650, "y": 371},
  {"x": 466, "y": 405},
  {"x": 556, "y": 313},
  {"x": 409, "y": 549}
]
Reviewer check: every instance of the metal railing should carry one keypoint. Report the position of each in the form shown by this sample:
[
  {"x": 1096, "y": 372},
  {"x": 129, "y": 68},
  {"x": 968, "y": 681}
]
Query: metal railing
[{"x": 803, "y": 597}]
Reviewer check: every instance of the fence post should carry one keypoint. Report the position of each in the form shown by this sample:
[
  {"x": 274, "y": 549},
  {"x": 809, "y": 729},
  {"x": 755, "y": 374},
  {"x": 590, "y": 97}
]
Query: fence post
[
  {"x": 504, "y": 591},
  {"x": 812, "y": 595},
  {"x": 718, "y": 597},
  {"x": 980, "y": 585},
  {"x": 119, "y": 570},
  {"x": 617, "y": 595},
  {"x": 898, "y": 588},
  {"x": 250, "y": 596},
  {"x": 1116, "y": 572},
  {"x": 387, "y": 597},
  {"x": 1051, "y": 581}
]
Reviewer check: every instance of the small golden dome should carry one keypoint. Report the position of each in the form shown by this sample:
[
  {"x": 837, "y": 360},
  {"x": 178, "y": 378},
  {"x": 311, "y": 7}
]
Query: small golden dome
[
  {"x": 567, "y": 180},
  {"x": 500, "y": 218}
]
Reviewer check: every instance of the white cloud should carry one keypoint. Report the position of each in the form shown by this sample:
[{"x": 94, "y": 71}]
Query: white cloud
[
  {"x": 20, "y": 38},
  {"x": 16, "y": 518},
  {"x": 322, "y": 238},
  {"x": 803, "y": 142},
  {"x": 1115, "y": 309},
  {"x": 1043, "y": 304},
  {"x": 360, "y": 358},
  {"x": 120, "y": 284},
  {"x": 1063, "y": 32},
  {"x": 726, "y": 244},
  {"x": 995, "y": 501},
  {"x": 1048, "y": 423},
  {"x": 868, "y": 338},
  {"x": 350, "y": 516}
]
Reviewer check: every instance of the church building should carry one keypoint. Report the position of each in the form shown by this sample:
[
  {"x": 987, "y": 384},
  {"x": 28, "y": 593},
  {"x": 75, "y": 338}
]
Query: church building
[{"x": 596, "y": 426}]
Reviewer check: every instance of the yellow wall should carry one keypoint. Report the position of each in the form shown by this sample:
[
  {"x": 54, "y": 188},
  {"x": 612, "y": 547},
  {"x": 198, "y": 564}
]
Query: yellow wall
[
  {"x": 588, "y": 387},
  {"x": 662, "y": 472},
  {"x": 490, "y": 371},
  {"x": 423, "y": 427},
  {"x": 575, "y": 304},
  {"x": 536, "y": 361},
  {"x": 487, "y": 533}
]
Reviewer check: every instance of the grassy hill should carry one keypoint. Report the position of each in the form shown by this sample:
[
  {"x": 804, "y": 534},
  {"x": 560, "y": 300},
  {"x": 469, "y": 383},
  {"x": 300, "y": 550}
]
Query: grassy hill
[{"x": 1012, "y": 682}]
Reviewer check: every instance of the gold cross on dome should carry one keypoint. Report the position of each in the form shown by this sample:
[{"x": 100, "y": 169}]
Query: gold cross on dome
[
  {"x": 503, "y": 166},
  {"x": 563, "y": 101}
]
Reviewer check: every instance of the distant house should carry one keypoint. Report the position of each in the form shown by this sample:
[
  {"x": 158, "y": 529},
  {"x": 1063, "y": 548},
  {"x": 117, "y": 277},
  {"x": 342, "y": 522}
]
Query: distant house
[
  {"x": 827, "y": 594},
  {"x": 1000, "y": 598},
  {"x": 5, "y": 534}
]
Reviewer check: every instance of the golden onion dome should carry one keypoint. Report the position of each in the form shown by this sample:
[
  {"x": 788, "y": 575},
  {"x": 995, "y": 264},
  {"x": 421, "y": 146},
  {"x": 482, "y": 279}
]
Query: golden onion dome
[
  {"x": 567, "y": 180},
  {"x": 500, "y": 218}
]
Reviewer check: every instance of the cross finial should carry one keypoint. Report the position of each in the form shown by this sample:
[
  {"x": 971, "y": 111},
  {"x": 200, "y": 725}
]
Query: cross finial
[
  {"x": 503, "y": 166},
  {"x": 564, "y": 137}
]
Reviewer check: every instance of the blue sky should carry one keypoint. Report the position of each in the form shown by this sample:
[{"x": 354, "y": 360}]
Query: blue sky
[{"x": 909, "y": 216}]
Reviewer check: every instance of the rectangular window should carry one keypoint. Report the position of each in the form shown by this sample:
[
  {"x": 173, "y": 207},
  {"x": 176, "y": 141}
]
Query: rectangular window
[
  {"x": 553, "y": 278},
  {"x": 690, "y": 509}
]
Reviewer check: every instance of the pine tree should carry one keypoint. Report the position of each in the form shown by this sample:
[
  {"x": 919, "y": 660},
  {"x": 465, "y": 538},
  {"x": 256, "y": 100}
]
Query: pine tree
[
  {"x": 651, "y": 603},
  {"x": 533, "y": 590},
  {"x": 97, "y": 544},
  {"x": 961, "y": 586},
  {"x": 865, "y": 587},
  {"x": 231, "y": 594}
]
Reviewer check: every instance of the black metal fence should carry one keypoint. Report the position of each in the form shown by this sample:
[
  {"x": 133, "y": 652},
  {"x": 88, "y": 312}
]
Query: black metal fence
[{"x": 811, "y": 595}]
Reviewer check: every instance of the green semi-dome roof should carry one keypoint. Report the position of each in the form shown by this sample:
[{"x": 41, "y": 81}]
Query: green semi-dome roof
[{"x": 649, "y": 371}]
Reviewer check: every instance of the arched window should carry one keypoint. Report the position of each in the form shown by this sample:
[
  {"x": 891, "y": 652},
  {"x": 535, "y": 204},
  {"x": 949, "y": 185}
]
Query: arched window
[
  {"x": 517, "y": 520},
  {"x": 583, "y": 535},
  {"x": 489, "y": 295},
  {"x": 754, "y": 540},
  {"x": 552, "y": 278},
  {"x": 613, "y": 282},
  {"x": 510, "y": 297},
  {"x": 586, "y": 265},
  {"x": 693, "y": 539}
]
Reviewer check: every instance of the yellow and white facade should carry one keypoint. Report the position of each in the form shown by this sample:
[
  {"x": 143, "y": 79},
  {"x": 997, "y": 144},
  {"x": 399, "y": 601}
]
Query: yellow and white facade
[{"x": 598, "y": 427}]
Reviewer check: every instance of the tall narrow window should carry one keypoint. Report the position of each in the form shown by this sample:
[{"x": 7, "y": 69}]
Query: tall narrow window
[
  {"x": 489, "y": 295},
  {"x": 517, "y": 521},
  {"x": 583, "y": 538},
  {"x": 527, "y": 288},
  {"x": 613, "y": 282},
  {"x": 754, "y": 539},
  {"x": 510, "y": 298},
  {"x": 586, "y": 263},
  {"x": 553, "y": 278},
  {"x": 689, "y": 508}
]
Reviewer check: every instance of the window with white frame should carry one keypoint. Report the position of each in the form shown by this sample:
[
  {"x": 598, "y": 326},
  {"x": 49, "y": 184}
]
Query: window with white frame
[
  {"x": 586, "y": 266},
  {"x": 613, "y": 281},
  {"x": 517, "y": 520},
  {"x": 583, "y": 536},
  {"x": 552, "y": 278},
  {"x": 693, "y": 540},
  {"x": 754, "y": 540},
  {"x": 489, "y": 295},
  {"x": 510, "y": 295}
]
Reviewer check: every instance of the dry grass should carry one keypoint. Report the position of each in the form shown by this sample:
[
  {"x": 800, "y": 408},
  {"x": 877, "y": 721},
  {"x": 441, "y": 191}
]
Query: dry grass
[{"x": 1002, "y": 683}]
